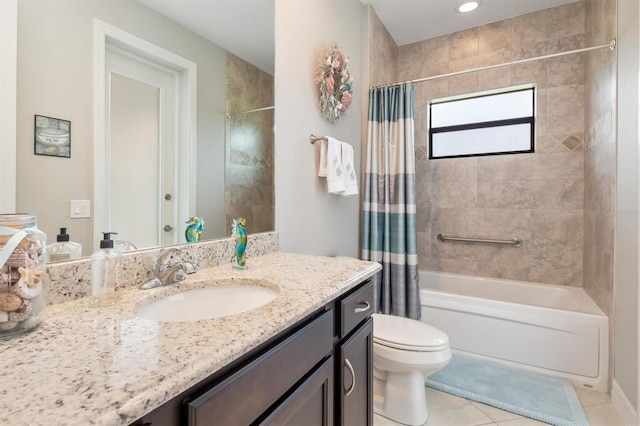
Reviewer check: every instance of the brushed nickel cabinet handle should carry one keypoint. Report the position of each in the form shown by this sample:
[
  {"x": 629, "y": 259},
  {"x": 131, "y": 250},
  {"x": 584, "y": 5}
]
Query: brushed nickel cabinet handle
[
  {"x": 362, "y": 309},
  {"x": 353, "y": 374}
]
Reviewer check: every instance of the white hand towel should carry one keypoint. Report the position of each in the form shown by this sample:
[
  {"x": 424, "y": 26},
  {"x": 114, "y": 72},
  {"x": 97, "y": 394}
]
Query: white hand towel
[
  {"x": 335, "y": 180},
  {"x": 348, "y": 170},
  {"x": 322, "y": 168}
]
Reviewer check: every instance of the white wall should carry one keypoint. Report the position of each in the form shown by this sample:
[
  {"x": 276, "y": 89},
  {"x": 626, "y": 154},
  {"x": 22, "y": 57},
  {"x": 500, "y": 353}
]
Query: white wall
[
  {"x": 8, "y": 46},
  {"x": 627, "y": 218},
  {"x": 308, "y": 219}
]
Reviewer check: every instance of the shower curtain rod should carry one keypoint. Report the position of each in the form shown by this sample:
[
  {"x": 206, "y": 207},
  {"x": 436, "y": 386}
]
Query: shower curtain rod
[
  {"x": 610, "y": 46},
  {"x": 249, "y": 112}
]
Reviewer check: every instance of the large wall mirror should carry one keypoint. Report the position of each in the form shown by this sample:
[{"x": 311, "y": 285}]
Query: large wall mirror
[{"x": 137, "y": 160}]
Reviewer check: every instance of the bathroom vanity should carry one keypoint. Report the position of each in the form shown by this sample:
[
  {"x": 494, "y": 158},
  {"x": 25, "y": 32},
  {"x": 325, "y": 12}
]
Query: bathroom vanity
[
  {"x": 317, "y": 372},
  {"x": 305, "y": 355}
]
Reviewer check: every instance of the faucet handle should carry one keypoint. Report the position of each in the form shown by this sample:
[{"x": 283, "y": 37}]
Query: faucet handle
[
  {"x": 189, "y": 267},
  {"x": 165, "y": 258}
]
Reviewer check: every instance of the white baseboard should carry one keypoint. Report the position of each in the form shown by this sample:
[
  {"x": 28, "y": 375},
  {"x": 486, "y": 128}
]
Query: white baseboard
[{"x": 622, "y": 405}]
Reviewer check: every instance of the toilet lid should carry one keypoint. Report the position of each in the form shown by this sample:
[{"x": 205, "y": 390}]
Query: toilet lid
[{"x": 408, "y": 334}]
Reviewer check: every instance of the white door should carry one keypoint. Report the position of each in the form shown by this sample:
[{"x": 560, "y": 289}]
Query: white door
[{"x": 141, "y": 150}]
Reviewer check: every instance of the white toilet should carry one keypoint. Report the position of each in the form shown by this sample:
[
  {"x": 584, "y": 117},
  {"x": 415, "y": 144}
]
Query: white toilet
[{"x": 405, "y": 352}]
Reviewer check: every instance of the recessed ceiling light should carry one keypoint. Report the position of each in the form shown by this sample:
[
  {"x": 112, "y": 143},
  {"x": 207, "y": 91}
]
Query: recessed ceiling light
[{"x": 467, "y": 6}]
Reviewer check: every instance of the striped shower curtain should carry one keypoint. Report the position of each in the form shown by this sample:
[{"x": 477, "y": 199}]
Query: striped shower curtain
[{"x": 389, "y": 205}]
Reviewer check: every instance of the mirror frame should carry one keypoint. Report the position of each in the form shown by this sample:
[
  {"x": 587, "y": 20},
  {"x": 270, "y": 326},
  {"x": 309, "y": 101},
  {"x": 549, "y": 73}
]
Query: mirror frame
[{"x": 8, "y": 102}]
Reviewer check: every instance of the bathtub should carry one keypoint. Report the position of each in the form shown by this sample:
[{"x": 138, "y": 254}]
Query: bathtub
[{"x": 553, "y": 330}]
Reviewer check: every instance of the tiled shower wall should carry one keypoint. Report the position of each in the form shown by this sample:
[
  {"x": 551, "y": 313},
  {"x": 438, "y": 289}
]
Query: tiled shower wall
[
  {"x": 249, "y": 146},
  {"x": 383, "y": 52},
  {"x": 536, "y": 197},
  {"x": 600, "y": 154}
]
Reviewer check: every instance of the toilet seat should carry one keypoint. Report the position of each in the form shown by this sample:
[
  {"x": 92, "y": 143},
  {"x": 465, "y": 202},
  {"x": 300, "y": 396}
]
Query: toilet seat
[{"x": 407, "y": 334}]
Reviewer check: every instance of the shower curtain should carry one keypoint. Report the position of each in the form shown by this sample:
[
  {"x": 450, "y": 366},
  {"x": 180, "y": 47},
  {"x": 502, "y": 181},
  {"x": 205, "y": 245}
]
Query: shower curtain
[{"x": 389, "y": 204}]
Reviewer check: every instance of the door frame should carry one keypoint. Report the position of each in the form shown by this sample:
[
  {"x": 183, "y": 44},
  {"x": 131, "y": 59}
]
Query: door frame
[{"x": 185, "y": 175}]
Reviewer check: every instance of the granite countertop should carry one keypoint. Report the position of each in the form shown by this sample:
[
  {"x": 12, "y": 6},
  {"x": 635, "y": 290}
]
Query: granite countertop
[{"x": 105, "y": 366}]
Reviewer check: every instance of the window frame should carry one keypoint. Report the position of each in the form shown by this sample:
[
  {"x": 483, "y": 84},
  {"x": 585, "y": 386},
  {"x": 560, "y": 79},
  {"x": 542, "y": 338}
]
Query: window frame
[{"x": 484, "y": 124}]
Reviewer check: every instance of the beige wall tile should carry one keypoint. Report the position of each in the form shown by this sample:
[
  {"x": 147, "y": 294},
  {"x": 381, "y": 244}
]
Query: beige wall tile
[
  {"x": 383, "y": 55},
  {"x": 565, "y": 112},
  {"x": 566, "y": 20},
  {"x": 504, "y": 223},
  {"x": 494, "y": 79},
  {"x": 463, "y": 64},
  {"x": 463, "y": 44},
  {"x": 451, "y": 221},
  {"x": 455, "y": 169},
  {"x": 566, "y": 70},
  {"x": 495, "y": 195},
  {"x": 430, "y": 69},
  {"x": 565, "y": 44},
  {"x": 505, "y": 167},
  {"x": 507, "y": 272},
  {"x": 557, "y": 224},
  {"x": 559, "y": 254},
  {"x": 455, "y": 194},
  {"x": 557, "y": 194},
  {"x": 462, "y": 84},
  {"x": 565, "y": 165},
  {"x": 449, "y": 265},
  {"x": 503, "y": 255},
  {"x": 530, "y": 72},
  {"x": 541, "y": 113},
  {"x": 529, "y": 29},
  {"x": 494, "y": 36},
  {"x": 504, "y": 194},
  {"x": 555, "y": 275},
  {"x": 496, "y": 57},
  {"x": 409, "y": 61},
  {"x": 436, "y": 50}
]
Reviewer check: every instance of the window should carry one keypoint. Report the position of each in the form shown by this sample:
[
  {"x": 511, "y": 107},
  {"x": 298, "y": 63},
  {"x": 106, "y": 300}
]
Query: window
[{"x": 487, "y": 123}]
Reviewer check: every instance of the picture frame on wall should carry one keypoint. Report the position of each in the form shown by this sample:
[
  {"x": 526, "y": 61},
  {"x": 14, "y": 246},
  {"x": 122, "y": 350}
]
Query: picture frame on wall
[{"x": 52, "y": 136}]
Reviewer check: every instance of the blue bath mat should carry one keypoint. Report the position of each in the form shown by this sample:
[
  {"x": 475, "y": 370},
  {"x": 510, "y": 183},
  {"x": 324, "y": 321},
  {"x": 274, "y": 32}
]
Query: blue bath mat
[{"x": 542, "y": 398}]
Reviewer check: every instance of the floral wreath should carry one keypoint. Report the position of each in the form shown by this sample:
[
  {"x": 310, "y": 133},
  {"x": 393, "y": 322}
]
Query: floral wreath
[{"x": 335, "y": 84}]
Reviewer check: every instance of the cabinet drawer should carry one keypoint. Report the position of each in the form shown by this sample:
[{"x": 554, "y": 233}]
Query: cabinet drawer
[
  {"x": 241, "y": 398},
  {"x": 355, "y": 308}
]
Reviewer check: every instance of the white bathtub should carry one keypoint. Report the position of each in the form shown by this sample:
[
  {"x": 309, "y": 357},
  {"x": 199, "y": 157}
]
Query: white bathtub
[{"x": 548, "y": 329}]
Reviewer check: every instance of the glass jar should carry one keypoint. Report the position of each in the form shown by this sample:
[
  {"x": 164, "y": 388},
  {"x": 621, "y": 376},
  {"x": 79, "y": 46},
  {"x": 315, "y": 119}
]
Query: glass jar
[{"x": 22, "y": 272}]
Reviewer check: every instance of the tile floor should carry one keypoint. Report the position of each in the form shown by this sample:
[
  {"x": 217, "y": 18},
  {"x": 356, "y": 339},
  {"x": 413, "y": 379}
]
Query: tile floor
[{"x": 450, "y": 410}]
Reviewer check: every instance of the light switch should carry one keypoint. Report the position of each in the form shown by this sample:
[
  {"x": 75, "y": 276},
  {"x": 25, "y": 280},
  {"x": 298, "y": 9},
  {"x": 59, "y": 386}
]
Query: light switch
[{"x": 80, "y": 209}]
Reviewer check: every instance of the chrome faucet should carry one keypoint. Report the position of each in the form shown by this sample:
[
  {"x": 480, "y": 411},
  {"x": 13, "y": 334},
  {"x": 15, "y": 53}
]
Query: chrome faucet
[{"x": 168, "y": 271}]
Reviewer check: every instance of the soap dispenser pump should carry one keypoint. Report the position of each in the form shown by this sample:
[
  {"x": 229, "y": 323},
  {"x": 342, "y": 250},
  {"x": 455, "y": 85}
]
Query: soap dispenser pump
[{"x": 104, "y": 286}]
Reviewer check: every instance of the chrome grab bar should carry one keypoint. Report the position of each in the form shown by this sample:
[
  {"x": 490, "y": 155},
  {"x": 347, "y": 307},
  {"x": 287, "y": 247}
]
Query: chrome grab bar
[{"x": 517, "y": 242}]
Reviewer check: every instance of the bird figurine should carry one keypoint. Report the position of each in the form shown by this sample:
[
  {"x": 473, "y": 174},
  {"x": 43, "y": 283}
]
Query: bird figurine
[
  {"x": 239, "y": 232},
  {"x": 195, "y": 224}
]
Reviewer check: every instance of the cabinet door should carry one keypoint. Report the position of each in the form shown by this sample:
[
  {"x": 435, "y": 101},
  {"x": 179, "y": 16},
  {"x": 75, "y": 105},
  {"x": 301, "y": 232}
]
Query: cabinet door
[
  {"x": 244, "y": 396},
  {"x": 310, "y": 404},
  {"x": 355, "y": 399}
]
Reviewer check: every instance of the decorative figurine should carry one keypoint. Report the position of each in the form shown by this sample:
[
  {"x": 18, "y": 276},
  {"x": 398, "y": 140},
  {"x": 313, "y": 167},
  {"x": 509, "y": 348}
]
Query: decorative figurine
[
  {"x": 239, "y": 231},
  {"x": 194, "y": 229}
]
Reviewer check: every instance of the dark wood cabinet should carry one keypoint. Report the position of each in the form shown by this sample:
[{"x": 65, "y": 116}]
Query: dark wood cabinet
[
  {"x": 354, "y": 352},
  {"x": 355, "y": 391},
  {"x": 317, "y": 372},
  {"x": 310, "y": 404}
]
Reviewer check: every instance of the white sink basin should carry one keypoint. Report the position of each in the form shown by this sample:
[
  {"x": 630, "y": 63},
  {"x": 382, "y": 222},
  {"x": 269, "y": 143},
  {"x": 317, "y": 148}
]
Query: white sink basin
[{"x": 206, "y": 303}]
